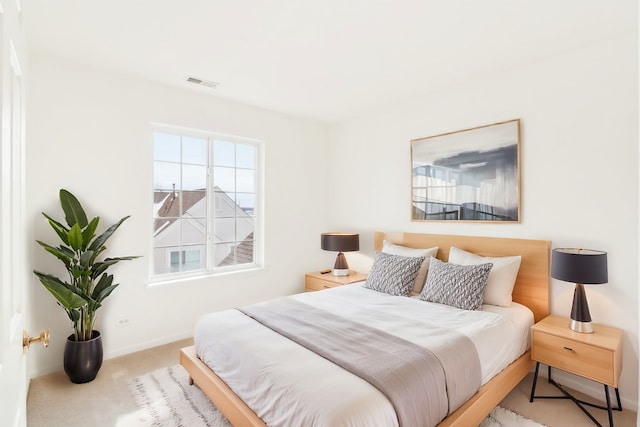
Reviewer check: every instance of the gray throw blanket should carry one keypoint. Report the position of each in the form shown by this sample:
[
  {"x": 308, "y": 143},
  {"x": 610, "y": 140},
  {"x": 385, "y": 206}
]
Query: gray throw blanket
[{"x": 410, "y": 376}]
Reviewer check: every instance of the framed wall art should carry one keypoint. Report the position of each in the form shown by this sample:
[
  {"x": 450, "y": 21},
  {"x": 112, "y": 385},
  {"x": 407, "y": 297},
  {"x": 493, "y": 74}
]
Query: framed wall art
[{"x": 467, "y": 175}]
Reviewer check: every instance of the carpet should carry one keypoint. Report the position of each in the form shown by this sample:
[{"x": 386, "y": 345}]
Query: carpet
[{"x": 165, "y": 399}]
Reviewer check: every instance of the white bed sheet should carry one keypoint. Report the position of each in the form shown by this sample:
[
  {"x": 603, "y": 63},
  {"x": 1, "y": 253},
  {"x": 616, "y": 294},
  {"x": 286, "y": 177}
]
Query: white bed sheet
[{"x": 286, "y": 384}]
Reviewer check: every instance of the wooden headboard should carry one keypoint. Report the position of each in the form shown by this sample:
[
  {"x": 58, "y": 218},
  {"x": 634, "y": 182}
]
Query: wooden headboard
[{"x": 532, "y": 284}]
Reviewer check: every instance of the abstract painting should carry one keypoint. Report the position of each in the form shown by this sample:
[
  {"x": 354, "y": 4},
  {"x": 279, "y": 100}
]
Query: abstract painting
[{"x": 468, "y": 175}]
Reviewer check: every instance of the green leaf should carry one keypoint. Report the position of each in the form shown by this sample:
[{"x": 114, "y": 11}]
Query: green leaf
[
  {"x": 75, "y": 237},
  {"x": 76, "y": 272},
  {"x": 96, "y": 253},
  {"x": 89, "y": 232},
  {"x": 62, "y": 253},
  {"x": 105, "y": 281},
  {"x": 61, "y": 291},
  {"x": 60, "y": 229},
  {"x": 85, "y": 259},
  {"x": 74, "y": 214},
  {"x": 105, "y": 293},
  {"x": 100, "y": 240},
  {"x": 100, "y": 267}
]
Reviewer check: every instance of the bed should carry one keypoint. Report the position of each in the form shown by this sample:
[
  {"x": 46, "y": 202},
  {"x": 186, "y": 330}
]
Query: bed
[{"x": 530, "y": 290}]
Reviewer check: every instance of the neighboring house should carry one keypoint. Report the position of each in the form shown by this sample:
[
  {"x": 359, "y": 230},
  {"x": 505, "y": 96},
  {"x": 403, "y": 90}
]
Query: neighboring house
[{"x": 233, "y": 231}]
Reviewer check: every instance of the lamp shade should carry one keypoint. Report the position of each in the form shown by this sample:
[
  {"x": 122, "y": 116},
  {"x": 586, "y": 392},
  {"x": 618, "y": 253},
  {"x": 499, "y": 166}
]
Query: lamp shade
[
  {"x": 340, "y": 242},
  {"x": 584, "y": 266}
]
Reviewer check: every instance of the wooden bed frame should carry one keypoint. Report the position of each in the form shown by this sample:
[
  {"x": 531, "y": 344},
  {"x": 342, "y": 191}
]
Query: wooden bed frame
[{"x": 531, "y": 289}]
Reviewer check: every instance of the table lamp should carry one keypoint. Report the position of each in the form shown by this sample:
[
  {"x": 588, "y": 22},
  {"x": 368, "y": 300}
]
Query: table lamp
[
  {"x": 582, "y": 267},
  {"x": 340, "y": 242}
]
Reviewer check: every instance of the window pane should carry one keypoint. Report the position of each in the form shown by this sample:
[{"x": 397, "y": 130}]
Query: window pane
[
  {"x": 194, "y": 177},
  {"x": 229, "y": 254},
  {"x": 247, "y": 202},
  {"x": 245, "y": 156},
  {"x": 244, "y": 228},
  {"x": 225, "y": 229},
  {"x": 166, "y": 232},
  {"x": 166, "y": 147},
  {"x": 224, "y": 154},
  {"x": 166, "y": 176},
  {"x": 194, "y": 231},
  {"x": 160, "y": 199},
  {"x": 161, "y": 261},
  {"x": 192, "y": 259},
  {"x": 194, "y": 150},
  {"x": 185, "y": 260},
  {"x": 194, "y": 204},
  {"x": 224, "y": 254},
  {"x": 245, "y": 253},
  {"x": 245, "y": 180},
  {"x": 225, "y": 205},
  {"x": 225, "y": 179}
]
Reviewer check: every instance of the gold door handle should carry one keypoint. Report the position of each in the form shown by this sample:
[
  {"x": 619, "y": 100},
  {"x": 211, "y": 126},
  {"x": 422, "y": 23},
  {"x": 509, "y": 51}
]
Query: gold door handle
[{"x": 27, "y": 340}]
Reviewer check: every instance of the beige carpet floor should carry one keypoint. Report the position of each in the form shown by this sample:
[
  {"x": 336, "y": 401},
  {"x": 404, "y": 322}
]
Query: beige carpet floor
[{"x": 107, "y": 401}]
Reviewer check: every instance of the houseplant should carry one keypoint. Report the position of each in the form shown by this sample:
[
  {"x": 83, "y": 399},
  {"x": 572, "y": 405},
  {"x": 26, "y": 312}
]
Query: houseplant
[{"x": 87, "y": 285}]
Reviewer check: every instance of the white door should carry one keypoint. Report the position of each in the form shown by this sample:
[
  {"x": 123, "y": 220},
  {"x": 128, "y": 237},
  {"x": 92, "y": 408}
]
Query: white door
[{"x": 14, "y": 278}]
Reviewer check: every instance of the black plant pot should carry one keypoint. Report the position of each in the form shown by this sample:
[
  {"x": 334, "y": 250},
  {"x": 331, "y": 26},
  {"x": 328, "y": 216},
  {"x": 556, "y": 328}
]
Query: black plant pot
[{"x": 83, "y": 359}]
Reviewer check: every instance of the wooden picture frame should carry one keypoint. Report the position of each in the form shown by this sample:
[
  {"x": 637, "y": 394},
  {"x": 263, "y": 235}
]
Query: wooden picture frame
[{"x": 467, "y": 175}]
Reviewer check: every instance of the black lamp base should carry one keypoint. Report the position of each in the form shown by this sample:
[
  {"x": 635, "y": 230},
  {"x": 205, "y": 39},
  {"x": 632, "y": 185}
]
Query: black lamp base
[
  {"x": 341, "y": 268},
  {"x": 580, "y": 315}
]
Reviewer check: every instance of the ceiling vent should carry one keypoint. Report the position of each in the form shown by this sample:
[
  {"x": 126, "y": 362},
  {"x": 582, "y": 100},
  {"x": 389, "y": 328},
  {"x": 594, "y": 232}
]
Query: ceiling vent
[{"x": 201, "y": 82}]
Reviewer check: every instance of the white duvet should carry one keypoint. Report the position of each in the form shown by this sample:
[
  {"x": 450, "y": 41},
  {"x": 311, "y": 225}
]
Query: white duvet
[{"x": 288, "y": 385}]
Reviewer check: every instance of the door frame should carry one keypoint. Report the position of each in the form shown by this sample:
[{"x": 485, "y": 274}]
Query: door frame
[{"x": 14, "y": 277}]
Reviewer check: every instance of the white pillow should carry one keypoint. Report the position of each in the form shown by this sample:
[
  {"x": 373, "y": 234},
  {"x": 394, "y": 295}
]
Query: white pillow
[
  {"x": 421, "y": 278},
  {"x": 502, "y": 277}
]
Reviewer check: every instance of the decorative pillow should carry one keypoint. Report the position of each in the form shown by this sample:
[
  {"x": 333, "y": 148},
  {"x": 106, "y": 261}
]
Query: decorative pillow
[
  {"x": 502, "y": 277},
  {"x": 456, "y": 285},
  {"x": 393, "y": 249},
  {"x": 393, "y": 274}
]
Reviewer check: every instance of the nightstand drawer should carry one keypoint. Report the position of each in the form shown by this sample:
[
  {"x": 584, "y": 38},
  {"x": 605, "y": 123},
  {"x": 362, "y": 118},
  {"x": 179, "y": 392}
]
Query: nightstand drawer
[
  {"x": 318, "y": 281},
  {"x": 313, "y": 284},
  {"x": 572, "y": 356}
]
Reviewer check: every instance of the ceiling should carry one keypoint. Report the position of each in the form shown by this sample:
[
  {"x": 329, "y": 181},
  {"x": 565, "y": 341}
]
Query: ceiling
[{"x": 326, "y": 60}]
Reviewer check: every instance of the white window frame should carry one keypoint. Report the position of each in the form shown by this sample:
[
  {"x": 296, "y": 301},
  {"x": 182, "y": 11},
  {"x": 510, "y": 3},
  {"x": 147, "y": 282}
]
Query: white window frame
[{"x": 258, "y": 239}]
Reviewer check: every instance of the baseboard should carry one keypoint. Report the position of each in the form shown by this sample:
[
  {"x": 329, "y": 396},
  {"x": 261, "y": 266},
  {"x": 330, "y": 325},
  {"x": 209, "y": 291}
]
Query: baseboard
[{"x": 145, "y": 345}]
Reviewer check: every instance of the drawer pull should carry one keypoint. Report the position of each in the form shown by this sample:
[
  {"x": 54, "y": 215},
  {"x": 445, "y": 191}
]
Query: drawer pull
[{"x": 567, "y": 348}]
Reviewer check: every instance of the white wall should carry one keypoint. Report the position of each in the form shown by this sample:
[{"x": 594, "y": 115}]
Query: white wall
[
  {"x": 579, "y": 119},
  {"x": 89, "y": 132}
]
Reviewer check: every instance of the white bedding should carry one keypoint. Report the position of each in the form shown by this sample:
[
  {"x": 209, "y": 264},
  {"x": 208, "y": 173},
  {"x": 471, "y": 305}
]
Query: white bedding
[{"x": 287, "y": 385}]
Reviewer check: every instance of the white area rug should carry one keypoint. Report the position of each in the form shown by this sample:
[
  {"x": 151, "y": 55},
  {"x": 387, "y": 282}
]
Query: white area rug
[
  {"x": 501, "y": 417},
  {"x": 166, "y": 399}
]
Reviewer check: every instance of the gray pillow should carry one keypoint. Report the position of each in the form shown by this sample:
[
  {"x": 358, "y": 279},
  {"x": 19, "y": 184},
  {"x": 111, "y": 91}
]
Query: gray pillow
[
  {"x": 456, "y": 285},
  {"x": 393, "y": 274}
]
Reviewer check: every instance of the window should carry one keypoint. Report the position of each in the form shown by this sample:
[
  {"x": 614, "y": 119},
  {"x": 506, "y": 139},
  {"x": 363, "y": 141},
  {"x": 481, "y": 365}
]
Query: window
[{"x": 205, "y": 202}]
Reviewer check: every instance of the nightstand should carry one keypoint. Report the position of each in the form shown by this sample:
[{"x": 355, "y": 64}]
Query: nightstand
[
  {"x": 318, "y": 281},
  {"x": 596, "y": 356}
]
